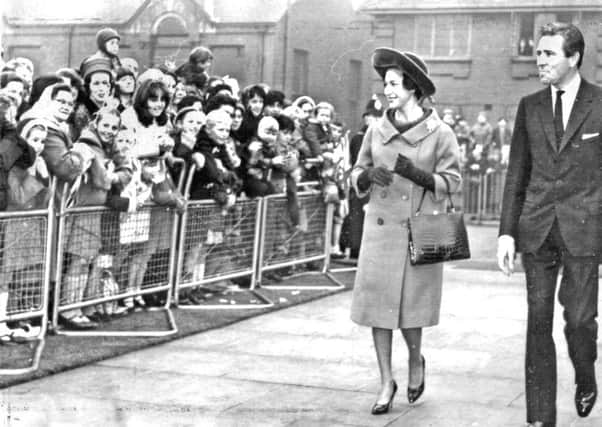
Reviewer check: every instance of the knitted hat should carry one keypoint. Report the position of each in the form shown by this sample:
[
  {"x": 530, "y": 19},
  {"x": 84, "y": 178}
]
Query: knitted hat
[
  {"x": 104, "y": 35},
  {"x": 93, "y": 65}
]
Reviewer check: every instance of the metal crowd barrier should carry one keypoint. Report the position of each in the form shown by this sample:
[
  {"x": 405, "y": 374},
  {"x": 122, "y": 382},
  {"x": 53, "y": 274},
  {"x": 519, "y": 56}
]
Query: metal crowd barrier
[
  {"x": 104, "y": 256},
  {"x": 284, "y": 245},
  {"x": 482, "y": 194},
  {"x": 215, "y": 247},
  {"x": 26, "y": 249}
]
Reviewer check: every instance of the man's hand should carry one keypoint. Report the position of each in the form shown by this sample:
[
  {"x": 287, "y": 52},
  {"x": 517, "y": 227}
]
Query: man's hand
[{"x": 505, "y": 254}]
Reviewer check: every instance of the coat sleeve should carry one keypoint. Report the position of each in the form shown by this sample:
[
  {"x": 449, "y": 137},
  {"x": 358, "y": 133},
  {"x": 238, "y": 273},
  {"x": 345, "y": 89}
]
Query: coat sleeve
[
  {"x": 311, "y": 134},
  {"x": 447, "y": 164},
  {"x": 517, "y": 176},
  {"x": 62, "y": 162},
  {"x": 364, "y": 161}
]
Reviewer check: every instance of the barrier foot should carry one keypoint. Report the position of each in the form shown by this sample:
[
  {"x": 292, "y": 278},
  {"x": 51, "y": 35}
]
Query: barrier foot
[
  {"x": 263, "y": 302},
  {"x": 172, "y": 329},
  {"x": 337, "y": 285},
  {"x": 35, "y": 361}
]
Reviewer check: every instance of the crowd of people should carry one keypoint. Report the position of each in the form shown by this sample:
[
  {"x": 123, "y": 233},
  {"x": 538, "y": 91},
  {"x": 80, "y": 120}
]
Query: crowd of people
[{"x": 112, "y": 135}]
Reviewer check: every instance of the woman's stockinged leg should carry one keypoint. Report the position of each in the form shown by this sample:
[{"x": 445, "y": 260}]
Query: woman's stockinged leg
[
  {"x": 382, "y": 344},
  {"x": 413, "y": 339}
]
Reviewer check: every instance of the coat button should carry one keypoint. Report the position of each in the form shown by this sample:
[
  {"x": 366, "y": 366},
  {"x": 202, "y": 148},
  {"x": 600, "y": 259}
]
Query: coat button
[
  {"x": 380, "y": 221},
  {"x": 404, "y": 197},
  {"x": 383, "y": 194}
]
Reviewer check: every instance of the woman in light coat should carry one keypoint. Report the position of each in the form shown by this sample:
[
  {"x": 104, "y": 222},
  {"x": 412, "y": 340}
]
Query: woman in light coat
[{"x": 405, "y": 153}]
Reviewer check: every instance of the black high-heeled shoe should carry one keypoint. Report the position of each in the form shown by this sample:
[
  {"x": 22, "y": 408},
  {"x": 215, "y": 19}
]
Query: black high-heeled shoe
[
  {"x": 415, "y": 393},
  {"x": 383, "y": 408}
]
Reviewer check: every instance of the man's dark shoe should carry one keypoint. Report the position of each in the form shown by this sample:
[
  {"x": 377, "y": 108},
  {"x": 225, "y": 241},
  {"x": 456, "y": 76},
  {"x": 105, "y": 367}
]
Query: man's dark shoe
[{"x": 585, "y": 398}]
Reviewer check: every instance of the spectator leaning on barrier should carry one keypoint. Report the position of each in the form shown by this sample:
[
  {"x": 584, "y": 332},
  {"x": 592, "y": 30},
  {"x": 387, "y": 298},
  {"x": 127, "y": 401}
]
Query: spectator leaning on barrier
[
  {"x": 253, "y": 99},
  {"x": 98, "y": 84}
]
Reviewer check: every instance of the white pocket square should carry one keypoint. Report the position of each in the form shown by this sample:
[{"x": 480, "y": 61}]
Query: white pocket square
[{"x": 589, "y": 135}]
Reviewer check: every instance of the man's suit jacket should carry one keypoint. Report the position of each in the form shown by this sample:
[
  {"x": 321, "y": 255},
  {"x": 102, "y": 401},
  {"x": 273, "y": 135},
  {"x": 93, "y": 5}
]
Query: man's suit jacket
[{"x": 544, "y": 182}]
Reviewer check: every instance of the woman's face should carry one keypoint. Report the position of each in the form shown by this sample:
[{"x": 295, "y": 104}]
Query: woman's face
[
  {"x": 61, "y": 106},
  {"x": 112, "y": 46},
  {"x": 36, "y": 139},
  {"x": 396, "y": 94},
  {"x": 192, "y": 122},
  {"x": 255, "y": 105},
  {"x": 127, "y": 84},
  {"x": 170, "y": 84},
  {"x": 179, "y": 93},
  {"x": 107, "y": 127},
  {"x": 15, "y": 90},
  {"x": 305, "y": 111},
  {"x": 237, "y": 119},
  {"x": 100, "y": 87},
  {"x": 156, "y": 103},
  {"x": 219, "y": 132}
]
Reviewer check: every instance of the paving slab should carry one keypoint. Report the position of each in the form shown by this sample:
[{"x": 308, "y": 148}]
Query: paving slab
[{"x": 309, "y": 365}]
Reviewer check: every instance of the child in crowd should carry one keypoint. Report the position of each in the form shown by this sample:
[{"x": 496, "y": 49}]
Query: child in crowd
[
  {"x": 317, "y": 135},
  {"x": 24, "y": 238},
  {"x": 107, "y": 41}
]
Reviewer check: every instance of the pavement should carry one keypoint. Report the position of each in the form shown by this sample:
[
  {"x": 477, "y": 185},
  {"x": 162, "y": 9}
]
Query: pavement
[{"x": 309, "y": 365}]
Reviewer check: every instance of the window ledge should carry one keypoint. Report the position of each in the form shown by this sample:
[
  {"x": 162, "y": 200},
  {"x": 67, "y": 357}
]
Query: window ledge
[
  {"x": 523, "y": 67},
  {"x": 456, "y": 67}
]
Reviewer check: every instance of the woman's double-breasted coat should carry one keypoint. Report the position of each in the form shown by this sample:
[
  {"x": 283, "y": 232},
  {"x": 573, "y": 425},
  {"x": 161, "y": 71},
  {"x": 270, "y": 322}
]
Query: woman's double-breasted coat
[{"x": 389, "y": 292}]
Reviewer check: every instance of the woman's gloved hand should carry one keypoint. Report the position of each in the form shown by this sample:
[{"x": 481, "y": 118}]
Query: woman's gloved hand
[
  {"x": 405, "y": 168},
  {"x": 375, "y": 175}
]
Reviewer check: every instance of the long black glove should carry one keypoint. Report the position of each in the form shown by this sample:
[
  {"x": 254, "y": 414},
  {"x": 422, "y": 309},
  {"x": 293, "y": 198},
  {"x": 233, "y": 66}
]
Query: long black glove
[
  {"x": 405, "y": 168},
  {"x": 378, "y": 175}
]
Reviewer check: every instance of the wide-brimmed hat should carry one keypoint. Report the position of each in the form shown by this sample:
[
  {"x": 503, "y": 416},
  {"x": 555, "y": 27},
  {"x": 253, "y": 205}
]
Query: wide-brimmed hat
[{"x": 411, "y": 64}]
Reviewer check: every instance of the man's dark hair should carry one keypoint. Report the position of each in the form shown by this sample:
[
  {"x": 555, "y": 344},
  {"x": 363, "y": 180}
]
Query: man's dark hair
[{"x": 573, "y": 39}]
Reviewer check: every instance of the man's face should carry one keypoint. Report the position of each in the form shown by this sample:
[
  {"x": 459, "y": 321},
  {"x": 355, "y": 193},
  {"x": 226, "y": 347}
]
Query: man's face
[
  {"x": 553, "y": 66},
  {"x": 100, "y": 87},
  {"x": 62, "y": 105}
]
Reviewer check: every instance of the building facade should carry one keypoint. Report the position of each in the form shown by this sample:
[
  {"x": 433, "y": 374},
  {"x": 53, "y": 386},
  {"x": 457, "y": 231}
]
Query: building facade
[
  {"x": 316, "y": 47},
  {"x": 480, "y": 52}
]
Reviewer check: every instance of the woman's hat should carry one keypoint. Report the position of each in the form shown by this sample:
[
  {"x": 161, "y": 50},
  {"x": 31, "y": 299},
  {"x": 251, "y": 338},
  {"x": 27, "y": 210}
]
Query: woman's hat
[{"x": 411, "y": 64}]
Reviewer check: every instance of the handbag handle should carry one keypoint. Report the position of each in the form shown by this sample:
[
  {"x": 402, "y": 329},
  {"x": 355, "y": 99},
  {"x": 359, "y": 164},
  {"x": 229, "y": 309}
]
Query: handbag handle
[{"x": 451, "y": 203}]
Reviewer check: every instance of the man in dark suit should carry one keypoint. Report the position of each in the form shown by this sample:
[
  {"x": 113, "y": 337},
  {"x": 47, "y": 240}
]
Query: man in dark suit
[{"x": 552, "y": 213}]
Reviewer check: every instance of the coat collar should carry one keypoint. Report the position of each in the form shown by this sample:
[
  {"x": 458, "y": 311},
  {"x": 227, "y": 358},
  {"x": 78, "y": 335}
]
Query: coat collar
[
  {"x": 412, "y": 136},
  {"x": 581, "y": 109}
]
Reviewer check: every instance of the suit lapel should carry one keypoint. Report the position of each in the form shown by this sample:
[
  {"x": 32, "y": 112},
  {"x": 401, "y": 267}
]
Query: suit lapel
[
  {"x": 581, "y": 109},
  {"x": 546, "y": 116}
]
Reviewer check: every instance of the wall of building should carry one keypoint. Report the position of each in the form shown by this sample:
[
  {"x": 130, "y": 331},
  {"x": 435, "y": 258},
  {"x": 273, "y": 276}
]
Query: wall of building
[{"x": 491, "y": 74}]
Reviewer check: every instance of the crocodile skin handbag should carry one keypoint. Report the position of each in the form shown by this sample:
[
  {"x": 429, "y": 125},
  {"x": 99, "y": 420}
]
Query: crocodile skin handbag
[{"x": 437, "y": 237}]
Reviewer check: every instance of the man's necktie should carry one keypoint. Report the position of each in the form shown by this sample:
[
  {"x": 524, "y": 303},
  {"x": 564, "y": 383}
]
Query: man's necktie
[{"x": 558, "y": 125}]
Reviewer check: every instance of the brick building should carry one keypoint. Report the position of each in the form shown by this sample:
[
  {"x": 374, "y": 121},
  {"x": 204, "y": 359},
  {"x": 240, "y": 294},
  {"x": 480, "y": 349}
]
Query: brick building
[
  {"x": 317, "y": 47},
  {"x": 480, "y": 52}
]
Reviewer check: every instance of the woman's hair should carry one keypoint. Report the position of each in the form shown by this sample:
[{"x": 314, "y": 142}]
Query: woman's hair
[
  {"x": 148, "y": 89},
  {"x": 189, "y": 101},
  {"x": 41, "y": 83},
  {"x": 408, "y": 83},
  {"x": 273, "y": 97},
  {"x": 239, "y": 106},
  {"x": 88, "y": 79},
  {"x": 59, "y": 87},
  {"x": 252, "y": 91},
  {"x": 285, "y": 123},
  {"x": 216, "y": 101}
]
